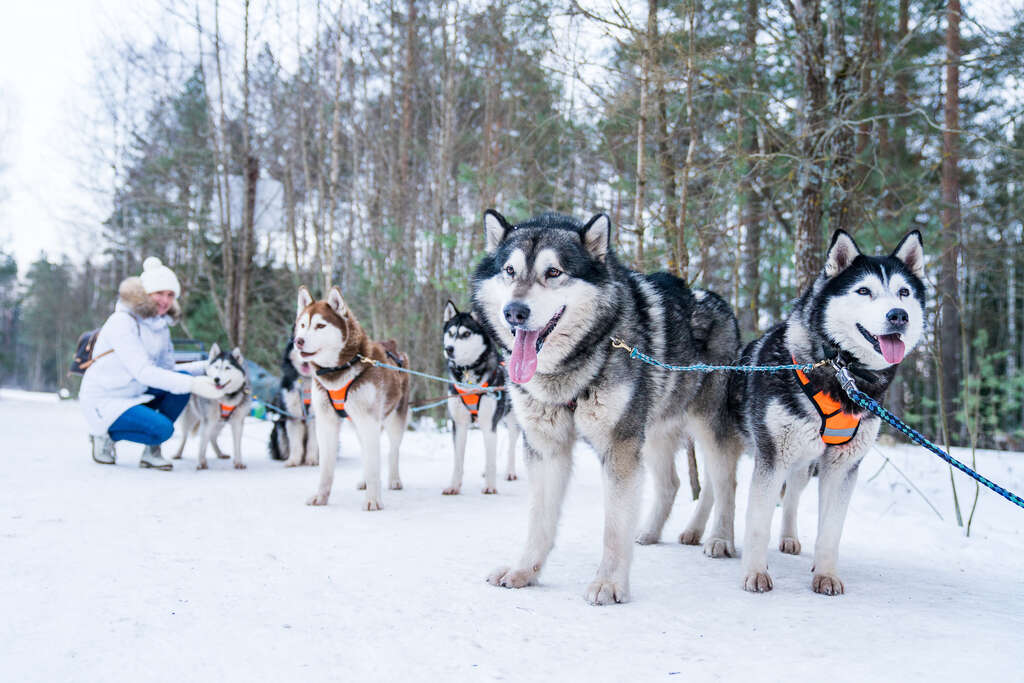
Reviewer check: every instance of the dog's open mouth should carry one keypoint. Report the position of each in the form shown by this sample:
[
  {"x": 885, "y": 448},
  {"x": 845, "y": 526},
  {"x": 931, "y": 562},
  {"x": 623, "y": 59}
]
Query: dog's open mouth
[
  {"x": 889, "y": 346},
  {"x": 305, "y": 368},
  {"x": 308, "y": 354},
  {"x": 528, "y": 343}
]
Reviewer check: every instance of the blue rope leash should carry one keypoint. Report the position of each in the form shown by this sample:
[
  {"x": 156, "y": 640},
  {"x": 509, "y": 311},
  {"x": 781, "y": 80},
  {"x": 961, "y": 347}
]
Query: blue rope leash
[
  {"x": 870, "y": 404},
  {"x": 429, "y": 406},
  {"x": 704, "y": 367},
  {"x": 478, "y": 388},
  {"x": 846, "y": 381}
]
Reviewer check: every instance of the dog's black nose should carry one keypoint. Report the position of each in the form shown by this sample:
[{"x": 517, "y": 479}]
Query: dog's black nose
[
  {"x": 300, "y": 342},
  {"x": 449, "y": 350},
  {"x": 898, "y": 317},
  {"x": 516, "y": 313},
  {"x": 216, "y": 380}
]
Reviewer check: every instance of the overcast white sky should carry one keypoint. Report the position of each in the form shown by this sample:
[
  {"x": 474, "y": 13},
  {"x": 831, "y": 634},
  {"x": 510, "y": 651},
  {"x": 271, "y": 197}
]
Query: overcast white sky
[{"x": 46, "y": 51}]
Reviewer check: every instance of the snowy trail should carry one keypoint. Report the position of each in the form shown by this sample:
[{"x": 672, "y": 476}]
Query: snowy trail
[{"x": 116, "y": 573}]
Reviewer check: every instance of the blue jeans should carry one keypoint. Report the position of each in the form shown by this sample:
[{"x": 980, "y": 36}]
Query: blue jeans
[{"x": 150, "y": 423}]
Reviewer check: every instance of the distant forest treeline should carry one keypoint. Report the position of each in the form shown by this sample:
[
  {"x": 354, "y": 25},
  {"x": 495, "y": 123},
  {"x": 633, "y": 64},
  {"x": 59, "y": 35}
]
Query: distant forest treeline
[{"x": 359, "y": 144}]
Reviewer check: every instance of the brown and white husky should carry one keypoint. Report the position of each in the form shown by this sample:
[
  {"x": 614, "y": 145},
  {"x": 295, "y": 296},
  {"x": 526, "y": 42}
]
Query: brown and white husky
[{"x": 329, "y": 337}]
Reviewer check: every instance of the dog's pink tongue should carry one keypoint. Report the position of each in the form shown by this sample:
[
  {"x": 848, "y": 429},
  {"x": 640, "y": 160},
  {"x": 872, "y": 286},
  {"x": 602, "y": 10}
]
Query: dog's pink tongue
[
  {"x": 523, "y": 362},
  {"x": 892, "y": 348}
]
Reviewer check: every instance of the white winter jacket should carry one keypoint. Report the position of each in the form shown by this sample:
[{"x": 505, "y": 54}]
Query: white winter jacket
[{"x": 142, "y": 357}]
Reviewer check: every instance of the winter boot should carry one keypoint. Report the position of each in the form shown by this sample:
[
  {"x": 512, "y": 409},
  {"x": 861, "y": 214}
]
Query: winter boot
[
  {"x": 151, "y": 458},
  {"x": 103, "y": 449}
]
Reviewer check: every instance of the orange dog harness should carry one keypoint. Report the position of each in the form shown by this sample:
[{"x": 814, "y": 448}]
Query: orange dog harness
[
  {"x": 470, "y": 399},
  {"x": 225, "y": 411},
  {"x": 837, "y": 427},
  {"x": 338, "y": 399}
]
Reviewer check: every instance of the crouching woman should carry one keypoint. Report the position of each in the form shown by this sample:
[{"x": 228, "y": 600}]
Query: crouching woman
[{"x": 132, "y": 391}]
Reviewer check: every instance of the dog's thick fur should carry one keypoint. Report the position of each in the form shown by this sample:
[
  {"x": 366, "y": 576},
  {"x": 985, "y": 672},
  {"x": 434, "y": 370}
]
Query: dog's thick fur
[
  {"x": 473, "y": 359},
  {"x": 293, "y": 438},
  {"x": 227, "y": 370},
  {"x": 555, "y": 283},
  {"x": 329, "y": 337},
  {"x": 856, "y": 307}
]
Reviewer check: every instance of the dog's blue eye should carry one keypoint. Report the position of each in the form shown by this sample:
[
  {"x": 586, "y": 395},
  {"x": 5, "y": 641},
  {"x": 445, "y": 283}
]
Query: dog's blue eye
[
  {"x": 904, "y": 292},
  {"x": 864, "y": 291},
  {"x": 510, "y": 271},
  {"x": 552, "y": 272}
]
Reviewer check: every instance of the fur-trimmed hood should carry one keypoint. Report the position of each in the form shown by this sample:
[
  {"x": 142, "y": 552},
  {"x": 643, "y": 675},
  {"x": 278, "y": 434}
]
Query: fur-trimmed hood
[{"x": 134, "y": 296}]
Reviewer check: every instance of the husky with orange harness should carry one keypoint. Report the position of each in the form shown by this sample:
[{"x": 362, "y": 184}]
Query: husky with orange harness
[
  {"x": 866, "y": 312},
  {"x": 293, "y": 438},
  {"x": 329, "y": 337},
  {"x": 227, "y": 370},
  {"x": 474, "y": 359}
]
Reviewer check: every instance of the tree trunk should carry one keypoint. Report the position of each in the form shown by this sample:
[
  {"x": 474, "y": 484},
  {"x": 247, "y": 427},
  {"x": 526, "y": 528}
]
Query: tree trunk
[
  {"x": 641, "y": 131},
  {"x": 752, "y": 209},
  {"x": 949, "y": 309},
  {"x": 811, "y": 58}
]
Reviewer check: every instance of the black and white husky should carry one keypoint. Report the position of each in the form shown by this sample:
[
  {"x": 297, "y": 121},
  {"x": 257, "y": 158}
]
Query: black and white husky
[
  {"x": 865, "y": 311},
  {"x": 227, "y": 370},
  {"x": 473, "y": 359},
  {"x": 552, "y": 292},
  {"x": 293, "y": 438}
]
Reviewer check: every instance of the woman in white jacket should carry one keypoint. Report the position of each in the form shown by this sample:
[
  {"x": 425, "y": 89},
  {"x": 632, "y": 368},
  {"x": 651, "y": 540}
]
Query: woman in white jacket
[{"x": 135, "y": 393}]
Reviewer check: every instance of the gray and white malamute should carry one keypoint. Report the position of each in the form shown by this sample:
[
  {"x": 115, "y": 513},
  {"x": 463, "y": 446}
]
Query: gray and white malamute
[
  {"x": 473, "y": 359},
  {"x": 866, "y": 311},
  {"x": 227, "y": 370},
  {"x": 552, "y": 292},
  {"x": 293, "y": 438}
]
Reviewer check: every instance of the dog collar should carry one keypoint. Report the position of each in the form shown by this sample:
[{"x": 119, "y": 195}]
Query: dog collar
[
  {"x": 339, "y": 368},
  {"x": 837, "y": 427}
]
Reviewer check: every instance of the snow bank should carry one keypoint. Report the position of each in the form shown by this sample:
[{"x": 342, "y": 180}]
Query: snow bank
[{"x": 118, "y": 573}]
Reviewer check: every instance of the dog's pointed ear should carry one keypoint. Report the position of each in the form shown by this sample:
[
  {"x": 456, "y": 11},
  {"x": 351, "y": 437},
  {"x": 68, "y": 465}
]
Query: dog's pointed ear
[
  {"x": 236, "y": 353},
  {"x": 335, "y": 301},
  {"x": 473, "y": 315},
  {"x": 495, "y": 229},
  {"x": 305, "y": 299},
  {"x": 597, "y": 235},
  {"x": 450, "y": 311},
  {"x": 841, "y": 253},
  {"x": 214, "y": 352},
  {"x": 910, "y": 250}
]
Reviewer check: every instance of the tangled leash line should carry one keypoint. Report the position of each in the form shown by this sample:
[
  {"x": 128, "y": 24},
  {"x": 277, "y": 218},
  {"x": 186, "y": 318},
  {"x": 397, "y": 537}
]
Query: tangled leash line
[{"x": 855, "y": 394}]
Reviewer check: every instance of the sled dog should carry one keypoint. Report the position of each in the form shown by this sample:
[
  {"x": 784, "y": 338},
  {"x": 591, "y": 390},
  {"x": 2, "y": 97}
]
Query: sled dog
[
  {"x": 472, "y": 358},
  {"x": 293, "y": 438},
  {"x": 329, "y": 337},
  {"x": 227, "y": 370},
  {"x": 867, "y": 312},
  {"x": 551, "y": 291}
]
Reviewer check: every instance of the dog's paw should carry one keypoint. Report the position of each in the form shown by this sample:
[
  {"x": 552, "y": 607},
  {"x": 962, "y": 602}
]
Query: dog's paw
[
  {"x": 396, "y": 485},
  {"x": 719, "y": 547},
  {"x": 508, "y": 578},
  {"x": 690, "y": 537},
  {"x": 605, "y": 592},
  {"x": 361, "y": 486},
  {"x": 789, "y": 545},
  {"x": 318, "y": 499},
  {"x": 176, "y": 456},
  {"x": 239, "y": 465},
  {"x": 648, "y": 538},
  {"x": 223, "y": 456},
  {"x": 758, "y": 582},
  {"x": 292, "y": 463},
  {"x": 202, "y": 466},
  {"x": 511, "y": 476},
  {"x": 827, "y": 584},
  {"x": 372, "y": 505},
  {"x": 451, "y": 491},
  {"x": 313, "y": 462},
  {"x": 489, "y": 490}
]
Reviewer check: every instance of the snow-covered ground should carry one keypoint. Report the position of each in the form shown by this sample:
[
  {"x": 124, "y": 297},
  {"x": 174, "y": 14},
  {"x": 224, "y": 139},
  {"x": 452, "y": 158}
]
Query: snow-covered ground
[{"x": 118, "y": 573}]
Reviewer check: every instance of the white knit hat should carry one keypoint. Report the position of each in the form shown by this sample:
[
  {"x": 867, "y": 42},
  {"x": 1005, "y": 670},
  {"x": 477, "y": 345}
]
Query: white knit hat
[{"x": 156, "y": 277}]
